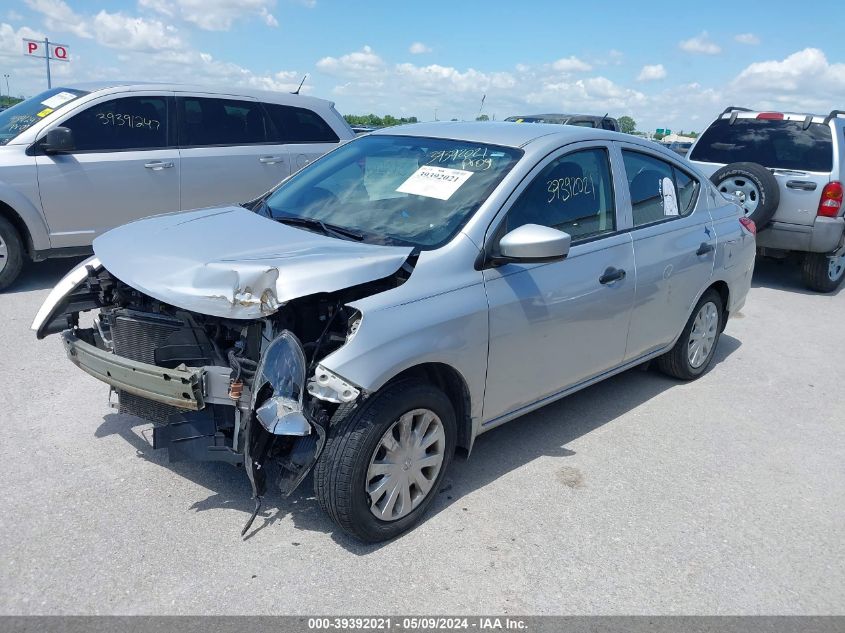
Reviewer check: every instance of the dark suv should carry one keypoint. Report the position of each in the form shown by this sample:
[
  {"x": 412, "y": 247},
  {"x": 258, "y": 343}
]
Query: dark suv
[{"x": 583, "y": 120}]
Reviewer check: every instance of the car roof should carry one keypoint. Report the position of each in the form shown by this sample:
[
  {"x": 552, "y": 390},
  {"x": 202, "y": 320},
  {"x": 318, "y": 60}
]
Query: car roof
[
  {"x": 265, "y": 95},
  {"x": 556, "y": 115},
  {"x": 504, "y": 133}
]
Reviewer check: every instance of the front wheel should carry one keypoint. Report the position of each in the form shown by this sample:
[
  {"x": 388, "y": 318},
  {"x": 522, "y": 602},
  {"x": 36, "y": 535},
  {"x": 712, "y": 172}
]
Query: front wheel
[
  {"x": 694, "y": 351},
  {"x": 383, "y": 463},
  {"x": 822, "y": 272},
  {"x": 11, "y": 253}
]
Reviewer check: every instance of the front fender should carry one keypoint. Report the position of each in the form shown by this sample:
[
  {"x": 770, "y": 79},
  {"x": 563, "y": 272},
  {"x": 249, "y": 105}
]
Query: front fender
[
  {"x": 449, "y": 328},
  {"x": 22, "y": 206}
]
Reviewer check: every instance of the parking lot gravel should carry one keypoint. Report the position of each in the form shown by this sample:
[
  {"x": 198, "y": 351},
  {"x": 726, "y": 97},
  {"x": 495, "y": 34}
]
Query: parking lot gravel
[{"x": 640, "y": 495}]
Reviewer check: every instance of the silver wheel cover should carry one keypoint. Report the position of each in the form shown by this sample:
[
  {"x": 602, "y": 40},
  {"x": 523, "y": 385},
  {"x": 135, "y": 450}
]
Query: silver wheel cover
[
  {"x": 835, "y": 267},
  {"x": 703, "y": 335},
  {"x": 744, "y": 189},
  {"x": 405, "y": 464},
  {"x": 4, "y": 254}
]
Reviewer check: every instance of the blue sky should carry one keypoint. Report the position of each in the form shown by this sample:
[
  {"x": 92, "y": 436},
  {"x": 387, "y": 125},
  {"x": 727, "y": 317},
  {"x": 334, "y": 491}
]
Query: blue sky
[{"x": 667, "y": 64}]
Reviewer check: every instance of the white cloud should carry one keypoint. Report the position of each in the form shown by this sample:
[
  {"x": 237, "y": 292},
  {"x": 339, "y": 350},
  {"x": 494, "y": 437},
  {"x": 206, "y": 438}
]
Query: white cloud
[
  {"x": 571, "y": 65},
  {"x": 214, "y": 15},
  {"x": 747, "y": 38},
  {"x": 652, "y": 72},
  {"x": 352, "y": 64},
  {"x": 418, "y": 48},
  {"x": 120, "y": 31},
  {"x": 805, "y": 80},
  {"x": 700, "y": 44},
  {"x": 59, "y": 17}
]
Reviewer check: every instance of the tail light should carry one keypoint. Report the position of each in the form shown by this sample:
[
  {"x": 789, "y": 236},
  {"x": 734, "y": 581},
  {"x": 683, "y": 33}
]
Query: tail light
[
  {"x": 831, "y": 200},
  {"x": 771, "y": 116},
  {"x": 749, "y": 225}
]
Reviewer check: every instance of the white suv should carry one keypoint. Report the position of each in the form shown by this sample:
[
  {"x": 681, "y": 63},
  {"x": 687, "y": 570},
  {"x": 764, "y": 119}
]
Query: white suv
[
  {"x": 788, "y": 171},
  {"x": 77, "y": 161}
]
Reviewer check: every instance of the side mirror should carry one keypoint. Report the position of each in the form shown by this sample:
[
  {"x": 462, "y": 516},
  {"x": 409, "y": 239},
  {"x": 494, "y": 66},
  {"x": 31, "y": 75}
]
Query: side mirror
[
  {"x": 533, "y": 243},
  {"x": 59, "y": 139}
]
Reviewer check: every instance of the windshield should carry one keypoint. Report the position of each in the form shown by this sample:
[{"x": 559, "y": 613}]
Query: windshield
[
  {"x": 772, "y": 143},
  {"x": 395, "y": 189},
  {"x": 25, "y": 114}
]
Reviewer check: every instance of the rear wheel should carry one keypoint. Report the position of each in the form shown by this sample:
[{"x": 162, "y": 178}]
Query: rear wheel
[
  {"x": 822, "y": 272},
  {"x": 754, "y": 186},
  {"x": 11, "y": 253},
  {"x": 383, "y": 463},
  {"x": 694, "y": 351}
]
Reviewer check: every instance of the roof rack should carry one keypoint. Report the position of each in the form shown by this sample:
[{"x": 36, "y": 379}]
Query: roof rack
[
  {"x": 833, "y": 114},
  {"x": 734, "y": 109}
]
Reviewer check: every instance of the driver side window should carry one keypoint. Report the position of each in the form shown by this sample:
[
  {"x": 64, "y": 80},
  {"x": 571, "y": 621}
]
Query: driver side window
[{"x": 574, "y": 193}]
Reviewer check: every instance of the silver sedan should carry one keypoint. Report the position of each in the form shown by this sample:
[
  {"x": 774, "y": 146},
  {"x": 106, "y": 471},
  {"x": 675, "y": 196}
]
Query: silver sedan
[{"x": 400, "y": 296}]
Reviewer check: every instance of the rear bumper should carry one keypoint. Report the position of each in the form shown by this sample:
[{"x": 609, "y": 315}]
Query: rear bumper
[
  {"x": 823, "y": 236},
  {"x": 182, "y": 388}
]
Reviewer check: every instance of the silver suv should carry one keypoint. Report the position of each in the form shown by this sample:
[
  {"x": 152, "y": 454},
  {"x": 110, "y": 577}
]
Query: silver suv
[
  {"x": 788, "y": 171},
  {"x": 400, "y": 296},
  {"x": 76, "y": 161}
]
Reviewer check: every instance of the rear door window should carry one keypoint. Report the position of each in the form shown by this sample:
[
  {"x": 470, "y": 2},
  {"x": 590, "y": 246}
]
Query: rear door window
[
  {"x": 299, "y": 125},
  {"x": 771, "y": 143},
  {"x": 207, "y": 121},
  {"x": 659, "y": 190},
  {"x": 121, "y": 124}
]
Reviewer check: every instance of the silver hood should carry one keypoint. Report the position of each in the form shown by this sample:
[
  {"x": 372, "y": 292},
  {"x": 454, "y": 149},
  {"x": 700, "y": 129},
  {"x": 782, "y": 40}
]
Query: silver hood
[{"x": 230, "y": 262}]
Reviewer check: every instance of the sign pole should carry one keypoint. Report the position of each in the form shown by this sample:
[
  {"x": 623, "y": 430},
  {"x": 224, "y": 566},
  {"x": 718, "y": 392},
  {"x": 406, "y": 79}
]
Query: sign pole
[{"x": 47, "y": 56}]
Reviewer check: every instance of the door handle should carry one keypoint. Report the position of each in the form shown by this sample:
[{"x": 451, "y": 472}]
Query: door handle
[
  {"x": 704, "y": 249},
  {"x": 270, "y": 160},
  {"x": 612, "y": 274},
  {"x": 158, "y": 165},
  {"x": 804, "y": 185}
]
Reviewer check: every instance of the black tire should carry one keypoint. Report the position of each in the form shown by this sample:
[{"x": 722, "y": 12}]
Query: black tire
[
  {"x": 676, "y": 362},
  {"x": 12, "y": 263},
  {"x": 341, "y": 471},
  {"x": 762, "y": 179},
  {"x": 816, "y": 272}
]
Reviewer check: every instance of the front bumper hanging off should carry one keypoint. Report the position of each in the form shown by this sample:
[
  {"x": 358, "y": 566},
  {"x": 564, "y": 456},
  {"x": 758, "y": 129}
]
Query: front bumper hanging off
[{"x": 181, "y": 387}]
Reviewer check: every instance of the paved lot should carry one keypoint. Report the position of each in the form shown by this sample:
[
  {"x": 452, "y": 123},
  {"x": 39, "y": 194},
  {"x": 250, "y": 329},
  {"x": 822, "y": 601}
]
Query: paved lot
[{"x": 637, "y": 496}]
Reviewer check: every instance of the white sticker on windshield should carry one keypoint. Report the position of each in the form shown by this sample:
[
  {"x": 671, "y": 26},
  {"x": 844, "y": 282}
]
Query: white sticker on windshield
[
  {"x": 435, "y": 182},
  {"x": 58, "y": 99},
  {"x": 670, "y": 200}
]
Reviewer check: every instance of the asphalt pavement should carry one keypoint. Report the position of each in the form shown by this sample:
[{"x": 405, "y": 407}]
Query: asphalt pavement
[{"x": 640, "y": 495}]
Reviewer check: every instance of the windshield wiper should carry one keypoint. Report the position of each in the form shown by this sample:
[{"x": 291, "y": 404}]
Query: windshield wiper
[{"x": 327, "y": 229}]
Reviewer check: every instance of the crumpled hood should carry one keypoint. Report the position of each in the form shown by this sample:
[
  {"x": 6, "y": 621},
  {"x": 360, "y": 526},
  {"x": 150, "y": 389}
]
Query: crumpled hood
[{"x": 230, "y": 262}]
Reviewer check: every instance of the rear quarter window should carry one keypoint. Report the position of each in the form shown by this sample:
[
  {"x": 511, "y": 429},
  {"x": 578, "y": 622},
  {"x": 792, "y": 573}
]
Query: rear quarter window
[
  {"x": 299, "y": 125},
  {"x": 771, "y": 143}
]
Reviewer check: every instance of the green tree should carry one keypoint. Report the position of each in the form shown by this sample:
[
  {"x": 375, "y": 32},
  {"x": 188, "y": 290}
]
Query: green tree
[
  {"x": 372, "y": 120},
  {"x": 482, "y": 117},
  {"x": 627, "y": 125}
]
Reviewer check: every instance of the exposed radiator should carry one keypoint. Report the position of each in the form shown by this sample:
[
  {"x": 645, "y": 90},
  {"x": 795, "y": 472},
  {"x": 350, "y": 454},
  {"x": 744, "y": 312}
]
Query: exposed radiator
[{"x": 137, "y": 336}]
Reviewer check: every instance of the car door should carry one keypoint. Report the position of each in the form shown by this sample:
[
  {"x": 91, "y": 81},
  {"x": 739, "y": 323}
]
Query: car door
[
  {"x": 125, "y": 166},
  {"x": 306, "y": 134},
  {"x": 228, "y": 151},
  {"x": 674, "y": 246},
  {"x": 554, "y": 325}
]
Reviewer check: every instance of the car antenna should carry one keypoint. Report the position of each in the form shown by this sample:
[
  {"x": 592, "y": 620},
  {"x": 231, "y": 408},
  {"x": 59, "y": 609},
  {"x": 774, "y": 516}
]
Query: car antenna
[{"x": 296, "y": 92}]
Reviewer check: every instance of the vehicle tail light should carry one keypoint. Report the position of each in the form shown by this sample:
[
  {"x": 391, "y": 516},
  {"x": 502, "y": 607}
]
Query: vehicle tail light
[
  {"x": 771, "y": 116},
  {"x": 749, "y": 225},
  {"x": 831, "y": 200}
]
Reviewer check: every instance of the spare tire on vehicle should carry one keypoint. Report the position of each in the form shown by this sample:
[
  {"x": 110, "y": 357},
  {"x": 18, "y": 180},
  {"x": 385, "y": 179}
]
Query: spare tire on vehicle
[{"x": 754, "y": 185}]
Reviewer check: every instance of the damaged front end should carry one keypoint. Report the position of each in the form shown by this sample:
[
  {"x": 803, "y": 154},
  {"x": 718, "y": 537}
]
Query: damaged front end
[{"x": 240, "y": 391}]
